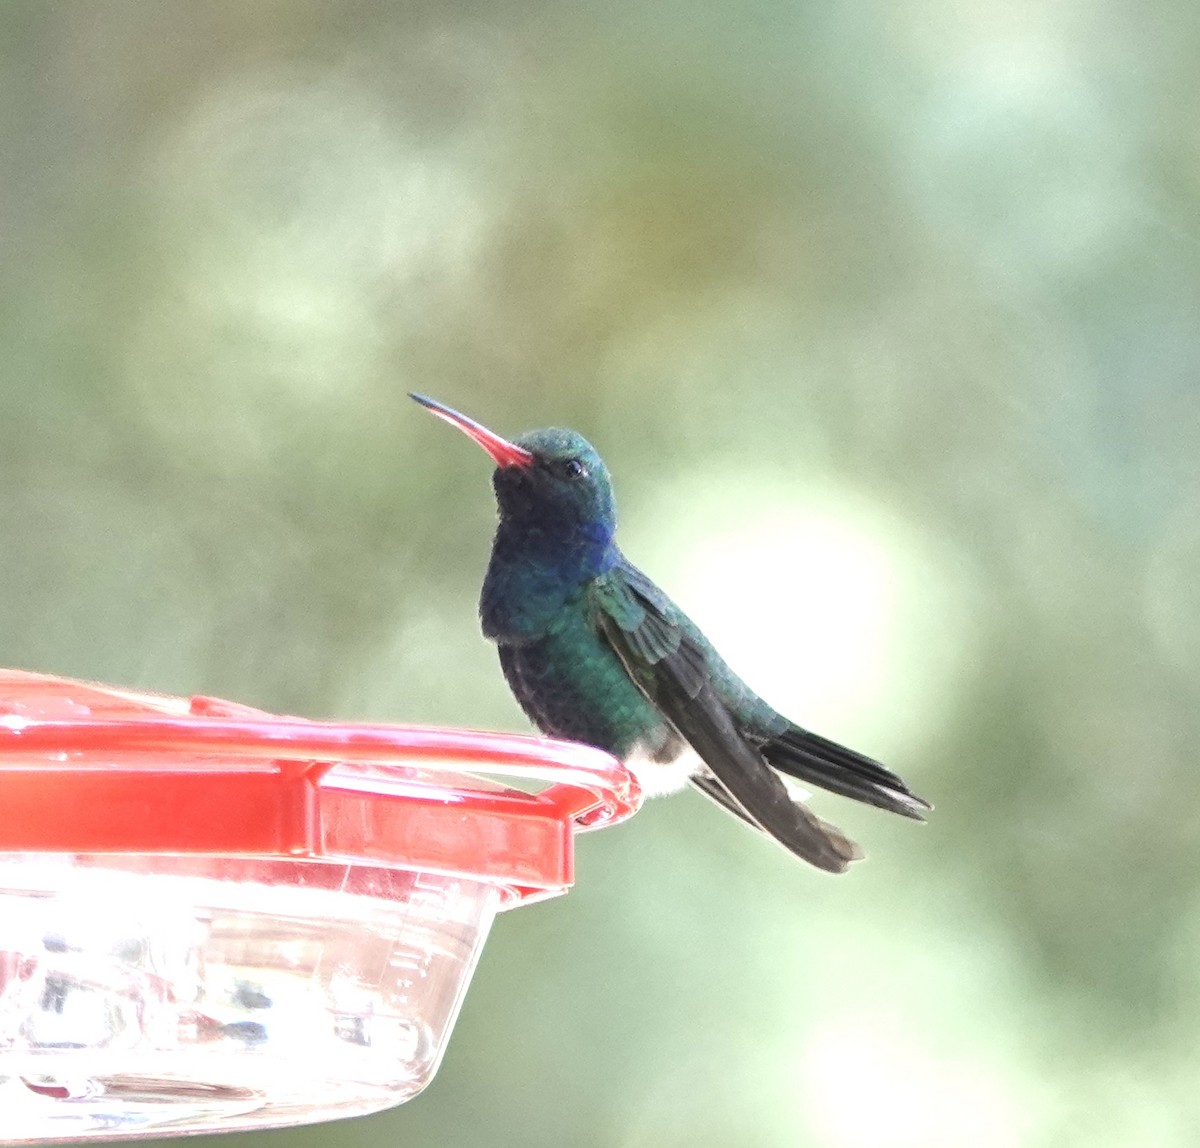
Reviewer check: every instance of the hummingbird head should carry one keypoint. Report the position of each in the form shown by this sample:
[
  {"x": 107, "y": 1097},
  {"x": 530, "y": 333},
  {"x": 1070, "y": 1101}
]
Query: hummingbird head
[
  {"x": 552, "y": 488},
  {"x": 565, "y": 483}
]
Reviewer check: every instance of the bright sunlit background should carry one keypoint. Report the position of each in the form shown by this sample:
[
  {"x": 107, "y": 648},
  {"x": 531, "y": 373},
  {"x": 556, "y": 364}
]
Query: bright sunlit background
[{"x": 885, "y": 316}]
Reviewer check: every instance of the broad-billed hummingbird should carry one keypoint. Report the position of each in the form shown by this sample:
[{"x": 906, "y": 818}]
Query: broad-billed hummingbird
[{"x": 596, "y": 652}]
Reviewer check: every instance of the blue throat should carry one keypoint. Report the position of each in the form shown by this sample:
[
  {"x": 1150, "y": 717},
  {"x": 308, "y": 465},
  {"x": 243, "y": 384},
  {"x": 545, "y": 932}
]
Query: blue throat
[
  {"x": 536, "y": 569},
  {"x": 572, "y": 553}
]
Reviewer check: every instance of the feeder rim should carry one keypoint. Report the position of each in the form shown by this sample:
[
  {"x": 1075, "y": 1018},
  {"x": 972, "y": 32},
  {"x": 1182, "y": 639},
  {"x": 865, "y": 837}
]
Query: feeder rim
[{"x": 85, "y": 766}]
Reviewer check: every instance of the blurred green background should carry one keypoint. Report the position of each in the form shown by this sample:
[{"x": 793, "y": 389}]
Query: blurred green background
[{"x": 885, "y": 317}]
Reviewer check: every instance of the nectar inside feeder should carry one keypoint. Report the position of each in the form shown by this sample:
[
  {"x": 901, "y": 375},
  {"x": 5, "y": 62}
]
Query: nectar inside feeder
[{"x": 212, "y": 918}]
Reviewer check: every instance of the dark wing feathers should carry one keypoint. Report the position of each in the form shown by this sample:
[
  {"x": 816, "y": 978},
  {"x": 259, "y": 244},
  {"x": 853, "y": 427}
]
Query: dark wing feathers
[
  {"x": 654, "y": 640},
  {"x": 741, "y": 774},
  {"x": 671, "y": 668},
  {"x": 715, "y": 791},
  {"x": 627, "y": 603}
]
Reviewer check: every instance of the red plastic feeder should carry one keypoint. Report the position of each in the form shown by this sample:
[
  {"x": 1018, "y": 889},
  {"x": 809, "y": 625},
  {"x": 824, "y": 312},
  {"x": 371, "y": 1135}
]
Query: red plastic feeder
[{"x": 213, "y": 918}]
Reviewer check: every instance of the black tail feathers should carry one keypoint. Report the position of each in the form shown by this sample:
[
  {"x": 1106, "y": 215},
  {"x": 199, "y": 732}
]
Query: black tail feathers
[{"x": 818, "y": 761}]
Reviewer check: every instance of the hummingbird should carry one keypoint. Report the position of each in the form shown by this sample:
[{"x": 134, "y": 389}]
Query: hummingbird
[{"x": 595, "y": 652}]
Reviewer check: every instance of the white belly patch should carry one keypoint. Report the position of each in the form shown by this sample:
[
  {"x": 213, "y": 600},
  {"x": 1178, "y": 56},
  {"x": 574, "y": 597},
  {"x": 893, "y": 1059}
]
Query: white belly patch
[{"x": 658, "y": 778}]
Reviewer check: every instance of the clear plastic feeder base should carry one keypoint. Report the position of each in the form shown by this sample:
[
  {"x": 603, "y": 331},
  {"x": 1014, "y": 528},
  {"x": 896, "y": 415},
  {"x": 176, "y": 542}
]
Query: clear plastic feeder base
[
  {"x": 223, "y": 994},
  {"x": 216, "y": 919}
]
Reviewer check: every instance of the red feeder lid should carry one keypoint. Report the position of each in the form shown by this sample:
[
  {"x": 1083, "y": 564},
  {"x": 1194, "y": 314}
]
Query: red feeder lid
[{"x": 88, "y": 768}]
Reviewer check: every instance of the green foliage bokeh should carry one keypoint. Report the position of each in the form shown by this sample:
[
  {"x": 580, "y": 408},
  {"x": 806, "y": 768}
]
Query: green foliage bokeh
[{"x": 910, "y": 287}]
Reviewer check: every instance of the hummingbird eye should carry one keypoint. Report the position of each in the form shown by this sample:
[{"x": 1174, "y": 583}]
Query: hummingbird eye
[{"x": 573, "y": 468}]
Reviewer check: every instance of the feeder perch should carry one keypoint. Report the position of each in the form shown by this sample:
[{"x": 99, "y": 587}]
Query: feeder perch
[{"x": 214, "y": 919}]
